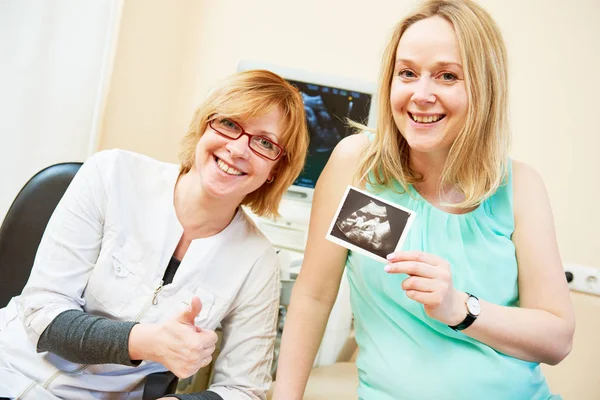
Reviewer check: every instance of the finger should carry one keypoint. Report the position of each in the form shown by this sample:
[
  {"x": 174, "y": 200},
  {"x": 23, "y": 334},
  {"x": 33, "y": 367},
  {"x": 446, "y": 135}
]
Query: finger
[
  {"x": 420, "y": 284},
  {"x": 201, "y": 342},
  {"x": 200, "y": 348},
  {"x": 190, "y": 314},
  {"x": 419, "y": 256},
  {"x": 432, "y": 299},
  {"x": 413, "y": 268},
  {"x": 206, "y": 361},
  {"x": 209, "y": 337},
  {"x": 201, "y": 363},
  {"x": 209, "y": 350}
]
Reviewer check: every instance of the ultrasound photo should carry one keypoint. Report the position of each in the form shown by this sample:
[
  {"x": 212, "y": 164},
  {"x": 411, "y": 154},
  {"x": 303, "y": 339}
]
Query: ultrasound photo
[{"x": 369, "y": 225}]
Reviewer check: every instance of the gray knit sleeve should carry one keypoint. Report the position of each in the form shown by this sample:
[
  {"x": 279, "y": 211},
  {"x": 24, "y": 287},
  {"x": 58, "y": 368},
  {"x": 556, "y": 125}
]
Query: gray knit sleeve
[
  {"x": 87, "y": 339},
  {"x": 206, "y": 395}
]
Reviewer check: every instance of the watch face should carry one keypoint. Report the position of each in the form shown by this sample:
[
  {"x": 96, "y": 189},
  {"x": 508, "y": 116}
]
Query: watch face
[{"x": 473, "y": 305}]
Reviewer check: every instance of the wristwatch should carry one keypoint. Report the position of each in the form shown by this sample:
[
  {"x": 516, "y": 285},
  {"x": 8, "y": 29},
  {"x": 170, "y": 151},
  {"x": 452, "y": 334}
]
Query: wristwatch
[{"x": 473, "y": 310}]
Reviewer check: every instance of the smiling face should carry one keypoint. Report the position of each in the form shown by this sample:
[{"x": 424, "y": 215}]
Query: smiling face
[
  {"x": 228, "y": 168},
  {"x": 428, "y": 95}
]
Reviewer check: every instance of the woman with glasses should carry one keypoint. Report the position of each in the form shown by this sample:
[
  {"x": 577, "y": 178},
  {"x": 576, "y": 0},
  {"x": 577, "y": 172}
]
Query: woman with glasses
[{"x": 143, "y": 260}]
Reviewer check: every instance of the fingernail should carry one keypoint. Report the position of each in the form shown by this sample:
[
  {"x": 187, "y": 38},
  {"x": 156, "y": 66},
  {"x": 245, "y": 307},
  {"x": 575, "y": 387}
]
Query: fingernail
[
  {"x": 390, "y": 256},
  {"x": 387, "y": 268}
]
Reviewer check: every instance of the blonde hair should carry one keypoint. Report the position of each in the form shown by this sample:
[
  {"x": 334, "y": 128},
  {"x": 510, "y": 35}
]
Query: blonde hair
[
  {"x": 252, "y": 94},
  {"x": 477, "y": 161}
]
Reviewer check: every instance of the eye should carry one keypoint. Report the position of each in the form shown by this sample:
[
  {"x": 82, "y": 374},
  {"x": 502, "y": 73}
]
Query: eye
[
  {"x": 227, "y": 123},
  {"x": 265, "y": 143},
  {"x": 448, "y": 77},
  {"x": 407, "y": 74}
]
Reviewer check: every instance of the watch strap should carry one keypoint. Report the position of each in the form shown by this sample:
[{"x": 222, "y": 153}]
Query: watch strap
[{"x": 469, "y": 319}]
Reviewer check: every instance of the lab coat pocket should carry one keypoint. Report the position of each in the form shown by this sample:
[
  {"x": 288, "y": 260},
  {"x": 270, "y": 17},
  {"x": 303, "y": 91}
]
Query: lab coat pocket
[
  {"x": 115, "y": 283},
  {"x": 124, "y": 265},
  {"x": 211, "y": 313}
]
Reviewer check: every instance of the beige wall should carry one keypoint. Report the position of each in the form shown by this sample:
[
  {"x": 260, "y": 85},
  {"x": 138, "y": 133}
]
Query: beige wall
[
  {"x": 170, "y": 52},
  {"x": 147, "y": 82}
]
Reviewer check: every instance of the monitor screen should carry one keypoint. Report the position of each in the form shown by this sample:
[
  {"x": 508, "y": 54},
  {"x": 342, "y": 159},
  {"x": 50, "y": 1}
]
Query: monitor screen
[{"x": 327, "y": 110}]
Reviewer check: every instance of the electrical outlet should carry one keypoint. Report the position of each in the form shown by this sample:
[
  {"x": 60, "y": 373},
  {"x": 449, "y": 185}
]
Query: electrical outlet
[{"x": 582, "y": 278}]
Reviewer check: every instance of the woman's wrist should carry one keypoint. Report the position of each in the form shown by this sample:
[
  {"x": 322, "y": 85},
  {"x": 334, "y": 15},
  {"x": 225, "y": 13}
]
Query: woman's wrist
[
  {"x": 460, "y": 308},
  {"x": 138, "y": 341}
]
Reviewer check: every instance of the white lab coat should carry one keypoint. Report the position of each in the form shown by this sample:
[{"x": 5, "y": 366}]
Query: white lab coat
[{"x": 105, "y": 251}]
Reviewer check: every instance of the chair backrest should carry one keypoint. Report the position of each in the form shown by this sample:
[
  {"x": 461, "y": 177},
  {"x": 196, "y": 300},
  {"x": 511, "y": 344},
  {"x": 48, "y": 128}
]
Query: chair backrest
[{"x": 24, "y": 225}]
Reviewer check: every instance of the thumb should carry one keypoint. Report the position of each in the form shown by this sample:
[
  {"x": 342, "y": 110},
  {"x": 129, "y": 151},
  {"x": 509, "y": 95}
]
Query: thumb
[{"x": 188, "y": 316}]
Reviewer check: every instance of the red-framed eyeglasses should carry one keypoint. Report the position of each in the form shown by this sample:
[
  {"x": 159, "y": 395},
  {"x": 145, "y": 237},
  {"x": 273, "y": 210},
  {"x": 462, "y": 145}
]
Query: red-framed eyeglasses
[{"x": 259, "y": 144}]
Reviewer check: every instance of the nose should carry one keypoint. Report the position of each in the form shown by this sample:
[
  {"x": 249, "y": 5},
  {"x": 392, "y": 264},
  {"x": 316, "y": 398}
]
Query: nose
[
  {"x": 423, "y": 92},
  {"x": 239, "y": 147}
]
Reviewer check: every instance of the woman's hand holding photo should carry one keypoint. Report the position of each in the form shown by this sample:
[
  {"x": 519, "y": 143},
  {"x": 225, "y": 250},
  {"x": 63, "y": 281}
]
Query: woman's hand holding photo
[{"x": 429, "y": 282}]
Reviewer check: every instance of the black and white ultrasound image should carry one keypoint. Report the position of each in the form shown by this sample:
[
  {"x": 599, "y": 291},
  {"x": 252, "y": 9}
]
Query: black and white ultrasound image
[
  {"x": 369, "y": 224},
  {"x": 368, "y": 227}
]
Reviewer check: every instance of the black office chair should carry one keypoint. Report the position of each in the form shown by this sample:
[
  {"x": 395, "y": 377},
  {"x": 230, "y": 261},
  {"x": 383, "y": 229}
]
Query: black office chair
[
  {"x": 20, "y": 236},
  {"x": 24, "y": 225}
]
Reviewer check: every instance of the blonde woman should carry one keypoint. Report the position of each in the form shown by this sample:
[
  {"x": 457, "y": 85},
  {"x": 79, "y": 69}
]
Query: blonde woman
[
  {"x": 477, "y": 299},
  {"x": 142, "y": 260}
]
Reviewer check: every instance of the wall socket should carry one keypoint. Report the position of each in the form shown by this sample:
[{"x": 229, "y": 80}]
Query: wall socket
[{"x": 582, "y": 278}]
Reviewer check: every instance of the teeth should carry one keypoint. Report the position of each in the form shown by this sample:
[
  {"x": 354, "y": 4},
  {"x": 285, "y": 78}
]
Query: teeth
[
  {"x": 426, "y": 119},
  {"x": 227, "y": 169}
]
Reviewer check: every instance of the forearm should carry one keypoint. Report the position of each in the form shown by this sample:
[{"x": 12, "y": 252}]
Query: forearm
[
  {"x": 527, "y": 334},
  {"x": 143, "y": 342},
  {"x": 304, "y": 328},
  {"x": 87, "y": 339}
]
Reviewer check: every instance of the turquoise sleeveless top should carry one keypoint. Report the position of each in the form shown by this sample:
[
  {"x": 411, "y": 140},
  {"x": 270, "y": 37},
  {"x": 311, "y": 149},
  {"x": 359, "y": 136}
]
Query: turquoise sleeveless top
[{"x": 403, "y": 353}]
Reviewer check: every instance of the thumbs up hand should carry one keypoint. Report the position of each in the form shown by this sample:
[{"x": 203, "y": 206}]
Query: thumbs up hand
[
  {"x": 178, "y": 343},
  {"x": 189, "y": 315}
]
